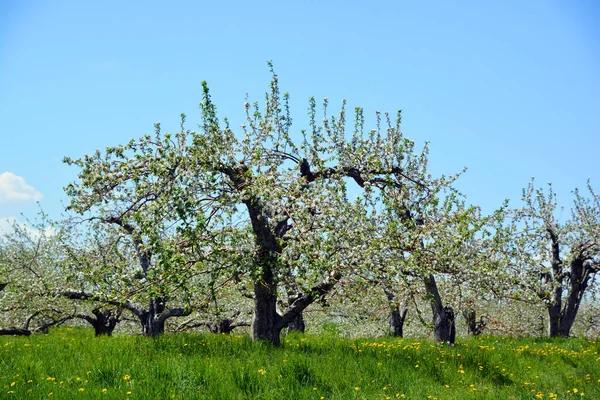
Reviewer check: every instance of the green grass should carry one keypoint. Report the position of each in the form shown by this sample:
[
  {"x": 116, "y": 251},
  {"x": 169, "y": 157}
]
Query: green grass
[{"x": 71, "y": 363}]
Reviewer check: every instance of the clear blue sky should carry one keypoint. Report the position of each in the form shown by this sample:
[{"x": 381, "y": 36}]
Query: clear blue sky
[{"x": 510, "y": 89}]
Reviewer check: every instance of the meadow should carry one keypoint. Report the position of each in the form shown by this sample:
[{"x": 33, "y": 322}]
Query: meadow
[{"x": 71, "y": 363}]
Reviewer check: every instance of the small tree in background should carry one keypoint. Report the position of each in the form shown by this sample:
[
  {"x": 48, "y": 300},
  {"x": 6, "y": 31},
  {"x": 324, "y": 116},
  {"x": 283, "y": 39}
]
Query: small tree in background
[{"x": 552, "y": 260}]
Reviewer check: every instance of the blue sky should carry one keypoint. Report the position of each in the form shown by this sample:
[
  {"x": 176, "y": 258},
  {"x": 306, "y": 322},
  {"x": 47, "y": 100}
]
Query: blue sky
[{"x": 510, "y": 89}]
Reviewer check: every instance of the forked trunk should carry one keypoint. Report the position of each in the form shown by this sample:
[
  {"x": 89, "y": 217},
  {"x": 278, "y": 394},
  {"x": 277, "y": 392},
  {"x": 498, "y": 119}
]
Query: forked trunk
[
  {"x": 152, "y": 324},
  {"x": 104, "y": 322},
  {"x": 473, "y": 327},
  {"x": 561, "y": 318},
  {"x": 398, "y": 313},
  {"x": 397, "y": 318}
]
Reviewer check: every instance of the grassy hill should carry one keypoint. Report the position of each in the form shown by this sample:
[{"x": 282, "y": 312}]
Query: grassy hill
[{"x": 71, "y": 363}]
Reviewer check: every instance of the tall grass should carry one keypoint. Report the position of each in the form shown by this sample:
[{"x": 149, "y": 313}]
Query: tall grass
[{"x": 71, "y": 363}]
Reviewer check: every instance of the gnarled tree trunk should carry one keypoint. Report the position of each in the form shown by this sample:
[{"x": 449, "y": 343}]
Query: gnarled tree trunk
[
  {"x": 153, "y": 319},
  {"x": 444, "y": 328},
  {"x": 104, "y": 322},
  {"x": 561, "y": 317}
]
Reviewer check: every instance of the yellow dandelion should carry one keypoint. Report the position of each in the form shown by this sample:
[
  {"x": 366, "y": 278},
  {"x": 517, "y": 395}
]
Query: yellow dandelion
[
  {"x": 357, "y": 388},
  {"x": 81, "y": 389},
  {"x": 104, "y": 390},
  {"x": 126, "y": 377},
  {"x": 13, "y": 384}
]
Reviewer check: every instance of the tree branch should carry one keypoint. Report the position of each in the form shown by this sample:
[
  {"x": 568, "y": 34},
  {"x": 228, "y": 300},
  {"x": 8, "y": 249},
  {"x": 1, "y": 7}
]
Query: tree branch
[
  {"x": 304, "y": 300},
  {"x": 86, "y": 296},
  {"x": 174, "y": 312}
]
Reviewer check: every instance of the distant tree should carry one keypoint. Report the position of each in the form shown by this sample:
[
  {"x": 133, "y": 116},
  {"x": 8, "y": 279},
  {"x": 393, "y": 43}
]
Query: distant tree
[
  {"x": 552, "y": 260},
  {"x": 428, "y": 233},
  {"x": 30, "y": 260}
]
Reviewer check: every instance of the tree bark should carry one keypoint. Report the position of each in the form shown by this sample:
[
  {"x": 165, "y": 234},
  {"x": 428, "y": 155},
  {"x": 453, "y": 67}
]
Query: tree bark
[
  {"x": 297, "y": 324},
  {"x": 473, "y": 327},
  {"x": 554, "y": 306},
  {"x": 561, "y": 319},
  {"x": 444, "y": 328},
  {"x": 266, "y": 320},
  {"x": 562, "y": 316},
  {"x": 398, "y": 313},
  {"x": 153, "y": 319},
  {"x": 104, "y": 322}
]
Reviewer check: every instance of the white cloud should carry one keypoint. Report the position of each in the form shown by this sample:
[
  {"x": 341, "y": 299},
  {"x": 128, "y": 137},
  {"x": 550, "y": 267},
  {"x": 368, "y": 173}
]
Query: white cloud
[{"x": 13, "y": 188}]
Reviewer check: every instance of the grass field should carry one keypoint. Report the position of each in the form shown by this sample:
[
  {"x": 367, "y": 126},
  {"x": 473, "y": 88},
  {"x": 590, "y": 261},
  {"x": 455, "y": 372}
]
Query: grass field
[{"x": 71, "y": 363}]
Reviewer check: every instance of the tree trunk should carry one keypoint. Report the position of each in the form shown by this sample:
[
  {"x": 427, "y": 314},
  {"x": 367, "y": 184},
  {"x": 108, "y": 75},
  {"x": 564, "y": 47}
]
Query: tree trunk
[
  {"x": 223, "y": 326},
  {"x": 297, "y": 324},
  {"x": 473, "y": 327},
  {"x": 561, "y": 319},
  {"x": 105, "y": 322},
  {"x": 397, "y": 318},
  {"x": 152, "y": 324},
  {"x": 265, "y": 323},
  {"x": 553, "y": 319},
  {"x": 398, "y": 313},
  {"x": 444, "y": 329},
  {"x": 554, "y": 307}
]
